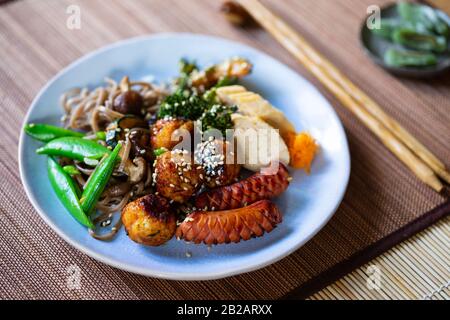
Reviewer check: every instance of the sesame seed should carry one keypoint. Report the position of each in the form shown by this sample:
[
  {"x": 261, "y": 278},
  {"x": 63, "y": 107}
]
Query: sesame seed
[{"x": 105, "y": 223}]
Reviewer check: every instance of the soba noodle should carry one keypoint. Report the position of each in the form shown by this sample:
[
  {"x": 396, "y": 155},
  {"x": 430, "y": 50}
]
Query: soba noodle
[{"x": 92, "y": 111}]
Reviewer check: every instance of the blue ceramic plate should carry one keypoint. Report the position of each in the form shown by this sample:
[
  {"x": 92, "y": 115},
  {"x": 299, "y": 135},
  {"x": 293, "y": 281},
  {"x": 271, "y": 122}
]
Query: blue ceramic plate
[{"x": 307, "y": 205}]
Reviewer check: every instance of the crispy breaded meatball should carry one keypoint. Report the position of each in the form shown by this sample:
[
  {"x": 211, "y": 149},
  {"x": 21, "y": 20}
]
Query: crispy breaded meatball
[
  {"x": 149, "y": 220},
  {"x": 163, "y": 130},
  {"x": 219, "y": 164},
  {"x": 176, "y": 176}
]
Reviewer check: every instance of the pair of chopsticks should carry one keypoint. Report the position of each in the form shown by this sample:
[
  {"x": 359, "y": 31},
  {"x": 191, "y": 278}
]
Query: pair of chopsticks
[{"x": 421, "y": 161}]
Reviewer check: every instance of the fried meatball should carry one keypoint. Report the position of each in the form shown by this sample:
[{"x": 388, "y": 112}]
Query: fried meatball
[
  {"x": 149, "y": 220},
  {"x": 163, "y": 130},
  {"x": 176, "y": 176},
  {"x": 219, "y": 164}
]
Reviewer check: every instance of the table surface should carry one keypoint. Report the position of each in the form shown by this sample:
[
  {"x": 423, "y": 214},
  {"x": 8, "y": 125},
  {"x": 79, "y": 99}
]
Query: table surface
[{"x": 418, "y": 268}]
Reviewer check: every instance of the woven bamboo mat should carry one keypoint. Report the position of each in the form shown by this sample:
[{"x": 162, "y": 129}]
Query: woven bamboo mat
[
  {"x": 418, "y": 268},
  {"x": 383, "y": 197}
]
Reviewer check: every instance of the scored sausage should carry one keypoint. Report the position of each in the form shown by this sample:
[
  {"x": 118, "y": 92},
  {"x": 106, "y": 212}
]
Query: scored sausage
[
  {"x": 218, "y": 227},
  {"x": 254, "y": 188}
]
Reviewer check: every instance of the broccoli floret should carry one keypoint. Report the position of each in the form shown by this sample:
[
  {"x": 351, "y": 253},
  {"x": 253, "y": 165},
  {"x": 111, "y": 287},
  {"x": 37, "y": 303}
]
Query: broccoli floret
[
  {"x": 211, "y": 114},
  {"x": 179, "y": 105},
  {"x": 187, "y": 67},
  {"x": 218, "y": 117}
]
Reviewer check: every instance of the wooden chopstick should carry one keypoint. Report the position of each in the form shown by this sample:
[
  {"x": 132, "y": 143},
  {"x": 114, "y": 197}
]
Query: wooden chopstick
[
  {"x": 384, "y": 127},
  {"x": 369, "y": 104}
]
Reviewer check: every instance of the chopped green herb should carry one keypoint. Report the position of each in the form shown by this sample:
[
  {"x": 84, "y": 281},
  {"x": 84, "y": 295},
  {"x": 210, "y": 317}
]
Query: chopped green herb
[
  {"x": 217, "y": 117},
  {"x": 226, "y": 81},
  {"x": 178, "y": 105},
  {"x": 187, "y": 67},
  {"x": 159, "y": 151}
]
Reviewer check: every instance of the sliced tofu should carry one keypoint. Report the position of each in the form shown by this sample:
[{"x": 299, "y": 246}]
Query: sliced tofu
[
  {"x": 258, "y": 143},
  {"x": 252, "y": 104}
]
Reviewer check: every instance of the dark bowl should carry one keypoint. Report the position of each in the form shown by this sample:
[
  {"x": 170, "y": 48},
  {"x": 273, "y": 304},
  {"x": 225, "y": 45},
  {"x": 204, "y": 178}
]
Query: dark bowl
[{"x": 375, "y": 47}]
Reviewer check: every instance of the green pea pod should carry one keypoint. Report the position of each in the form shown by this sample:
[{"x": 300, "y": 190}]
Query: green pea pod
[
  {"x": 66, "y": 191},
  {"x": 423, "y": 17},
  {"x": 98, "y": 181},
  {"x": 406, "y": 58},
  {"x": 101, "y": 135},
  {"x": 71, "y": 170},
  {"x": 46, "y": 132},
  {"x": 74, "y": 148},
  {"x": 419, "y": 41}
]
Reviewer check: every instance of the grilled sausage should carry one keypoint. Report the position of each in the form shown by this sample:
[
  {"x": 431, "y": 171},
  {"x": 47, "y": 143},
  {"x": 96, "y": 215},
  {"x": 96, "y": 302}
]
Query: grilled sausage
[
  {"x": 254, "y": 188},
  {"x": 218, "y": 227}
]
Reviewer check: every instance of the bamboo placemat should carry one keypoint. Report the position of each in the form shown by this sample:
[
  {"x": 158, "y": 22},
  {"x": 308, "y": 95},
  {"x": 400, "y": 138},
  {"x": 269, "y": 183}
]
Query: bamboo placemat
[
  {"x": 418, "y": 268},
  {"x": 383, "y": 197}
]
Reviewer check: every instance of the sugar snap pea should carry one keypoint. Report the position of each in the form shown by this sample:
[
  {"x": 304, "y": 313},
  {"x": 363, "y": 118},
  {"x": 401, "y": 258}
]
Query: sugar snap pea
[
  {"x": 74, "y": 148},
  {"x": 98, "y": 180},
  {"x": 47, "y": 132},
  {"x": 66, "y": 191}
]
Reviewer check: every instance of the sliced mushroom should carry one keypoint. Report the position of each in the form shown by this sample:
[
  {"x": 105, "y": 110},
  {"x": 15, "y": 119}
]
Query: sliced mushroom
[
  {"x": 135, "y": 169},
  {"x": 117, "y": 190}
]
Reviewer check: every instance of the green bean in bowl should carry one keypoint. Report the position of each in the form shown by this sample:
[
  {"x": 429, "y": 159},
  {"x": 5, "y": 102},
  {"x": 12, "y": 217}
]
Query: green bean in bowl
[
  {"x": 412, "y": 36},
  {"x": 407, "y": 58}
]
